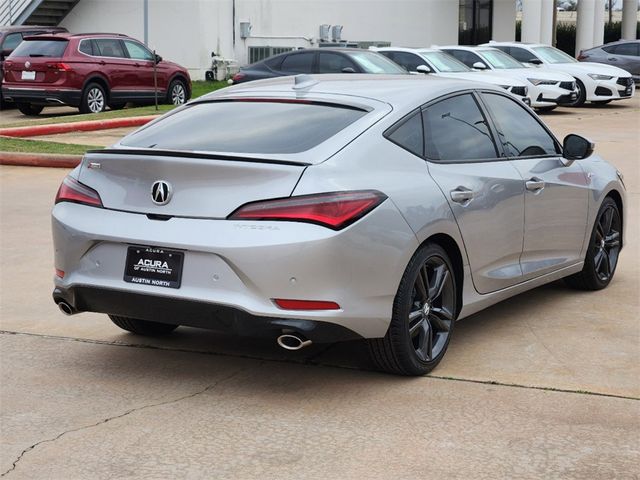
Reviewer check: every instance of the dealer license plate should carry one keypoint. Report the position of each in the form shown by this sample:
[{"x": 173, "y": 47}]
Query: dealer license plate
[
  {"x": 27, "y": 75},
  {"x": 155, "y": 266}
]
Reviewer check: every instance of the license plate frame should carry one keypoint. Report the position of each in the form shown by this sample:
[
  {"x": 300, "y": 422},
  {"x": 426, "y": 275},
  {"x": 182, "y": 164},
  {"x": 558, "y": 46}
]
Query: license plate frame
[
  {"x": 154, "y": 266},
  {"x": 28, "y": 75}
]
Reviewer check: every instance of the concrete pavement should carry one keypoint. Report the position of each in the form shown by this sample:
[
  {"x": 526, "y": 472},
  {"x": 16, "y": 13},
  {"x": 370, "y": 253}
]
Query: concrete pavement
[{"x": 95, "y": 402}]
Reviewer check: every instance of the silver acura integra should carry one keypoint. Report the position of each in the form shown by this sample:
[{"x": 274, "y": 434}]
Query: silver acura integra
[{"x": 332, "y": 208}]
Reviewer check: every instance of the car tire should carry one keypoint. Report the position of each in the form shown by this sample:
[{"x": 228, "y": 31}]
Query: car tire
[
  {"x": 545, "y": 109},
  {"x": 177, "y": 93},
  {"x": 604, "y": 248},
  {"x": 117, "y": 106},
  {"x": 423, "y": 318},
  {"x": 143, "y": 327},
  {"x": 582, "y": 95},
  {"x": 94, "y": 99},
  {"x": 29, "y": 109}
]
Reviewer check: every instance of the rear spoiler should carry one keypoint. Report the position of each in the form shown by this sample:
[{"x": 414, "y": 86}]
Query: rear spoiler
[{"x": 188, "y": 154}]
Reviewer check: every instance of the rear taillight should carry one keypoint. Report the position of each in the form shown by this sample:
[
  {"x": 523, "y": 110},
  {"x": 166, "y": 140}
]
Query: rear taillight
[
  {"x": 238, "y": 77},
  {"x": 72, "y": 190},
  {"x": 334, "y": 210},
  {"x": 582, "y": 56},
  {"x": 59, "y": 66}
]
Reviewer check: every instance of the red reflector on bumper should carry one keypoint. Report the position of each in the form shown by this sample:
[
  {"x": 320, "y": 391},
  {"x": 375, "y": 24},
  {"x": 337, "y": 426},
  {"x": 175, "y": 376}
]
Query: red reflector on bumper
[
  {"x": 305, "y": 304},
  {"x": 59, "y": 273}
]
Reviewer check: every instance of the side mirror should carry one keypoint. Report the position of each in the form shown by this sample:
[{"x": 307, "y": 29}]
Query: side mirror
[
  {"x": 535, "y": 61},
  {"x": 575, "y": 147},
  {"x": 479, "y": 66},
  {"x": 348, "y": 70},
  {"x": 423, "y": 69},
  {"x": 158, "y": 58}
]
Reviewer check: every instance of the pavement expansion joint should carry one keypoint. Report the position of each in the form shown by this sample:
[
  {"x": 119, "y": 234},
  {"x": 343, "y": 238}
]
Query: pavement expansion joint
[
  {"x": 115, "y": 417},
  {"x": 309, "y": 361}
]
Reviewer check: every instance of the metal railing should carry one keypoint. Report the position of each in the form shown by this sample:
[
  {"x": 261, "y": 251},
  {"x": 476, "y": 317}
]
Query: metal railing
[{"x": 10, "y": 10}]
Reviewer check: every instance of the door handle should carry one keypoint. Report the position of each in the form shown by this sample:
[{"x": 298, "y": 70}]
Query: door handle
[
  {"x": 612, "y": 59},
  {"x": 535, "y": 184},
  {"x": 102, "y": 62},
  {"x": 461, "y": 195},
  {"x": 136, "y": 64}
]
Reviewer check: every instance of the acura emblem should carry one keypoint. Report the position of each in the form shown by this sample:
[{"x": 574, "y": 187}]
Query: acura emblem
[
  {"x": 27, "y": 64},
  {"x": 161, "y": 192}
]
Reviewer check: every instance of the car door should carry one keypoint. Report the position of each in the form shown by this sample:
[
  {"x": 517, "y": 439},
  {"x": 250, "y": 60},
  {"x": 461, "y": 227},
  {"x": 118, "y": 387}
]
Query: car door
[
  {"x": 297, "y": 63},
  {"x": 332, "y": 62},
  {"x": 141, "y": 65},
  {"x": 112, "y": 62},
  {"x": 556, "y": 194},
  {"x": 410, "y": 61},
  {"x": 484, "y": 190},
  {"x": 625, "y": 56}
]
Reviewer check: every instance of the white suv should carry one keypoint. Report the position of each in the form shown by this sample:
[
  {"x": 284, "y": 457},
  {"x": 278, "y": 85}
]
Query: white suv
[
  {"x": 441, "y": 64},
  {"x": 547, "y": 89},
  {"x": 597, "y": 83}
]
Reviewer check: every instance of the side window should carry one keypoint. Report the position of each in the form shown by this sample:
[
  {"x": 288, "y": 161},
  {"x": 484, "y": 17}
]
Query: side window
[
  {"x": 630, "y": 49},
  {"x": 520, "y": 133},
  {"x": 408, "y": 60},
  {"x": 274, "y": 62},
  {"x": 298, "y": 63},
  {"x": 86, "y": 47},
  {"x": 334, "y": 63},
  {"x": 12, "y": 41},
  {"x": 409, "y": 134},
  {"x": 610, "y": 49},
  {"x": 110, "y": 47},
  {"x": 521, "y": 54},
  {"x": 137, "y": 51},
  {"x": 455, "y": 130},
  {"x": 468, "y": 58}
]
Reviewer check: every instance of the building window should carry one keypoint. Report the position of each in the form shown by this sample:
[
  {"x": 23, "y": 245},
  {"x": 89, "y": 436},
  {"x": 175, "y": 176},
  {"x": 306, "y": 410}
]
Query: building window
[
  {"x": 260, "y": 53},
  {"x": 475, "y": 21}
]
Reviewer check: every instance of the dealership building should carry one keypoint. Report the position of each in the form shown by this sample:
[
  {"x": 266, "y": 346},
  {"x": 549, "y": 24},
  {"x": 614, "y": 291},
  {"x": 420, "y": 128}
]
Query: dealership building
[{"x": 188, "y": 31}]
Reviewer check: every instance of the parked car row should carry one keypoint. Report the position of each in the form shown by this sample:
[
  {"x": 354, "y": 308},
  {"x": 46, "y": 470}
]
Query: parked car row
[
  {"x": 90, "y": 72},
  {"x": 543, "y": 76}
]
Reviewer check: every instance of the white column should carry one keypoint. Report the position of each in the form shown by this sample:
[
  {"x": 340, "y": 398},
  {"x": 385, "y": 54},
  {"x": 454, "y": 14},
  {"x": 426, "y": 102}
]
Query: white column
[
  {"x": 598, "y": 23},
  {"x": 504, "y": 21},
  {"x": 584, "y": 25},
  {"x": 629, "y": 19},
  {"x": 546, "y": 21},
  {"x": 531, "y": 20}
]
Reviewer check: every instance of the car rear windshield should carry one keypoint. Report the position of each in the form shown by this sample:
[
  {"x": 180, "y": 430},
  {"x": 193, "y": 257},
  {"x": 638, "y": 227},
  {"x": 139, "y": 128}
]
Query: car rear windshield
[
  {"x": 41, "y": 48},
  {"x": 269, "y": 127}
]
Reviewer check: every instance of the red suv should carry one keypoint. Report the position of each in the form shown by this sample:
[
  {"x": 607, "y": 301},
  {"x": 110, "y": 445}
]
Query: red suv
[{"x": 89, "y": 71}]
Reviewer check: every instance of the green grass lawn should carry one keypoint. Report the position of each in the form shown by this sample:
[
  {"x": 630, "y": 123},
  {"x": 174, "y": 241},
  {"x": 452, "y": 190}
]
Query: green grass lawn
[
  {"x": 8, "y": 144},
  {"x": 199, "y": 88}
]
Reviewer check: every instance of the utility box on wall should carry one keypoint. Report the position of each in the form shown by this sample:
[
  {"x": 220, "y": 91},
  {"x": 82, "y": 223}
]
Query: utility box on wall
[{"x": 245, "y": 29}]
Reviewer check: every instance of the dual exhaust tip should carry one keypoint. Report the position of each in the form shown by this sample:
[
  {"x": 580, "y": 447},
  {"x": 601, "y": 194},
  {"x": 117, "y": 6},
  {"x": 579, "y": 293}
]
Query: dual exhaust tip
[
  {"x": 288, "y": 341},
  {"x": 293, "y": 341}
]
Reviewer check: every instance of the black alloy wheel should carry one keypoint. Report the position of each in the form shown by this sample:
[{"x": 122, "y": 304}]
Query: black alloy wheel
[
  {"x": 603, "y": 251},
  {"x": 424, "y": 315}
]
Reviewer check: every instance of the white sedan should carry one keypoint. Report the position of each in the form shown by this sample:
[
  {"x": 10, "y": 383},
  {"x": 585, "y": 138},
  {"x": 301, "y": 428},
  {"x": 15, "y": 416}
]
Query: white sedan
[
  {"x": 547, "y": 89},
  {"x": 597, "y": 83},
  {"x": 440, "y": 64}
]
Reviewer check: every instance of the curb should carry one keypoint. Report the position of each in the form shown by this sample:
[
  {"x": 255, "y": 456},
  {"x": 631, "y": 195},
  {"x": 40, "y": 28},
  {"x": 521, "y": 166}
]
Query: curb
[
  {"x": 86, "y": 126},
  {"x": 40, "y": 160}
]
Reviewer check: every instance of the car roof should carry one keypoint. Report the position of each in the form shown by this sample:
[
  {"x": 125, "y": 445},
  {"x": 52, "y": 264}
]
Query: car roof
[
  {"x": 68, "y": 36},
  {"x": 405, "y": 49},
  {"x": 29, "y": 28},
  {"x": 470, "y": 48},
  {"x": 514, "y": 44},
  {"x": 399, "y": 91}
]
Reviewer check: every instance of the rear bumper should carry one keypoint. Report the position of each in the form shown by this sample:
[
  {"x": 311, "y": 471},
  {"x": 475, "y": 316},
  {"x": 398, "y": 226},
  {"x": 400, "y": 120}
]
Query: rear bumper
[
  {"x": 178, "y": 311},
  {"x": 240, "y": 265},
  {"x": 42, "y": 96}
]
